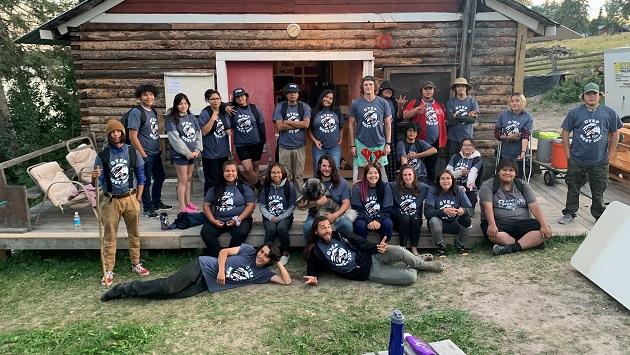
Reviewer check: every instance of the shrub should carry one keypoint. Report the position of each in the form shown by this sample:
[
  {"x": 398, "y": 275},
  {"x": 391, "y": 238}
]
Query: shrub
[{"x": 570, "y": 89}]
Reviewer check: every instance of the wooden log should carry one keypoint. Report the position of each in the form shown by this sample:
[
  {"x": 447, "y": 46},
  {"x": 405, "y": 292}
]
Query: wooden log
[
  {"x": 118, "y": 83},
  {"x": 495, "y": 24},
  {"x": 519, "y": 66},
  {"x": 493, "y": 60},
  {"x": 105, "y": 93},
  {"x": 491, "y": 80},
  {"x": 142, "y": 54},
  {"x": 130, "y": 74},
  {"x": 417, "y": 52},
  {"x": 145, "y": 64},
  {"x": 497, "y": 70},
  {"x": 90, "y": 120},
  {"x": 496, "y": 51},
  {"x": 118, "y": 102},
  {"x": 493, "y": 89},
  {"x": 492, "y": 99},
  {"x": 379, "y": 62},
  {"x": 94, "y": 26},
  {"x": 112, "y": 111}
]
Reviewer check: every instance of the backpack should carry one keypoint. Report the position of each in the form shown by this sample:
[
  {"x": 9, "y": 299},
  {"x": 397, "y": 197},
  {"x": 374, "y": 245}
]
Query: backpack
[
  {"x": 285, "y": 107},
  {"x": 496, "y": 185},
  {"x": 143, "y": 120},
  {"x": 104, "y": 156},
  {"x": 261, "y": 127}
]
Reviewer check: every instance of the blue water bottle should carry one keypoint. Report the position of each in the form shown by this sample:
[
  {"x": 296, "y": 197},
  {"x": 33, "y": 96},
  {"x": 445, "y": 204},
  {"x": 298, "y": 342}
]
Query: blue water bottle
[
  {"x": 76, "y": 222},
  {"x": 396, "y": 333}
]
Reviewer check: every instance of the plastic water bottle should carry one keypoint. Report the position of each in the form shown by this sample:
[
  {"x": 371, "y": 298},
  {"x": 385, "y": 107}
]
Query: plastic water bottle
[
  {"x": 396, "y": 333},
  {"x": 418, "y": 345},
  {"x": 76, "y": 221}
]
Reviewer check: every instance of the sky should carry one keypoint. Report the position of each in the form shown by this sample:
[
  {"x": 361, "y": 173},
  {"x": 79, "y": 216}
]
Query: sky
[{"x": 594, "y": 6}]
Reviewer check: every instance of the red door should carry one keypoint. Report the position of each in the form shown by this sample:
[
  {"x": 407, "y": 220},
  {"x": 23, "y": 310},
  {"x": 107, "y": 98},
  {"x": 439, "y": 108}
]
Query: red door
[{"x": 257, "y": 79}]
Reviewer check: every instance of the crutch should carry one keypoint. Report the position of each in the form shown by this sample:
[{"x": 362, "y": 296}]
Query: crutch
[{"x": 101, "y": 237}]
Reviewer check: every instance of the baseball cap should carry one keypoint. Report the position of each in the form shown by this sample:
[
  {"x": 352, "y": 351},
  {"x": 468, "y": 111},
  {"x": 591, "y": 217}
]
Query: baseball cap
[
  {"x": 590, "y": 87},
  {"x": 291, "y": 87},
  {"x": 427, "y": 84},
  {"x": 239, "y": 92},
  {"x": 414, "y": 126}
]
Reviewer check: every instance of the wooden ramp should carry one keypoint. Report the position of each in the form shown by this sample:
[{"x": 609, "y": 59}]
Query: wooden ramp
[{"x": 55, "y": 230}]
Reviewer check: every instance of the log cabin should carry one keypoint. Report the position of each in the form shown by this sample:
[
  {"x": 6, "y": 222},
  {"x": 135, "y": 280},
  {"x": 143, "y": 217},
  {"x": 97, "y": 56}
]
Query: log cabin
[{"x": 263, "y": 44}]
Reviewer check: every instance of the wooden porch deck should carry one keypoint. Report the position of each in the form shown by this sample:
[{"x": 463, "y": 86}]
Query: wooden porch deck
[{"x": 55, "y": 230}]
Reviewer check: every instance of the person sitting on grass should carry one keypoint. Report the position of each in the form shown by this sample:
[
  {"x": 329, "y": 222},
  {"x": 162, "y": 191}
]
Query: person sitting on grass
[
  {"x": 353, "y": 257},
  {"x": 276, "y": 201},
  {"x": 447, "y": 209},
  {"x": 235, "y": 267},
  {"x": 506, "y": 203}
]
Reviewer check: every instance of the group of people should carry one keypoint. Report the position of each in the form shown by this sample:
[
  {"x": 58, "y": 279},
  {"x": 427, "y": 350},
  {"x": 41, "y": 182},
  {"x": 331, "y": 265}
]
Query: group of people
[{"x": 511, "y": 218}]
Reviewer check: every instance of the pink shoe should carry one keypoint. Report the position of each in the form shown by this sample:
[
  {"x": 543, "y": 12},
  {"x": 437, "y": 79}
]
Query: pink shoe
[
  {"x": 192, "y": 206},
  {"x": 188, "y": 210}
]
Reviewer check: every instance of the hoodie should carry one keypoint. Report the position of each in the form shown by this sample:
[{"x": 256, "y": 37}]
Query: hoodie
[{"x": 473, "y": 163}]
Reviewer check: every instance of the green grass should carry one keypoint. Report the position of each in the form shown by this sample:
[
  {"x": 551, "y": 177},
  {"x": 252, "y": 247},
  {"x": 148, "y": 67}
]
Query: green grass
[
  {"x": 82, "y": 337},
  {"x": 588, "y": 44}
]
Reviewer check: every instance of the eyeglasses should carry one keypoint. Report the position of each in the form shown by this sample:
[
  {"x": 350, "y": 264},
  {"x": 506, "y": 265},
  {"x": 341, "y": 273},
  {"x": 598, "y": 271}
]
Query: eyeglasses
[{"x": 214, "y": 98}]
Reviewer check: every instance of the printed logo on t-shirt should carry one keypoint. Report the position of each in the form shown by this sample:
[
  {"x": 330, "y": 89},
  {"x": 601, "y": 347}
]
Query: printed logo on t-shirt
[
  {"x": 414, "y": 164},
  {"x": 510, "y": 203},
  {"x": 189, "y": 132},
  {"x": 339, "y": 255},
  {"x": 461, "y": 165},
  {"x": 293, "y": 116},
  {"x": 275, "y": 205},
  {"x": 227, "y": 202},
  {"x": 243, "y": 123},
  {"x": 591, "y": 132},
  {"x": 119, "y": 172},
  {"x": 328, "y": 123},
  {"x": 241, "y": 273},
  {"x": 370, "y": 117},
  {"x": 408, "y": 204},
  {"x": 219, "y": 131},
  {"x": 154, "y": 128},
  {"x": 372, "y": 207},
  {"x": 446, "y": 204},
  {"x": 431, "y": 116},
  {"x": 461, "y": 111},
  {"x": 512, "y": 127}
]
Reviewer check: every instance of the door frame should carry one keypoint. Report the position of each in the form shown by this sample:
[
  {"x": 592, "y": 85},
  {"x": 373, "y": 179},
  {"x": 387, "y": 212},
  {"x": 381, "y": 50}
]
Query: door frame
[{"x": 367, "y": 57}]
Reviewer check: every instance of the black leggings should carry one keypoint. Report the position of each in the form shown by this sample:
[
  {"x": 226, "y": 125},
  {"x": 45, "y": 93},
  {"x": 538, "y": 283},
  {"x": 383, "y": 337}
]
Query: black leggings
[
  {"x": 212, "y": 172},
  {"x": 408, "y": 228},
  {"x": 210, "y": 235},
  {"x": 186, "y": 282}
]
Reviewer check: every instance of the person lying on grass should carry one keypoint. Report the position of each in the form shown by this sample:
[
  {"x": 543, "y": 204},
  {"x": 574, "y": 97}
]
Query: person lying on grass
[
  {"x": 235, "y": 267},
  {"x": 506, "y": 203},
  {"x": 353, "y": 257}
]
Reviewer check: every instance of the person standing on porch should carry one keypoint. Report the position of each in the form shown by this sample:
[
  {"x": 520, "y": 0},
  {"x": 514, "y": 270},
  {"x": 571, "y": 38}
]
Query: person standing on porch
[
  {"x": 215, "y": 126},
  {"x": 115, "y": 167},
  {"x": 248, "y": 125},
  {"x": 326, "y": 129},
  {"x": 370, "y": 127},
  {"x": 386, "y": 91},
  {"x": 430, "y": 115},
  {"x": 292, "y": 118},
  {"x": 462, "y": 111},
  {"x": 142, "y": 128},
  {"x": 595, "y": 131}
]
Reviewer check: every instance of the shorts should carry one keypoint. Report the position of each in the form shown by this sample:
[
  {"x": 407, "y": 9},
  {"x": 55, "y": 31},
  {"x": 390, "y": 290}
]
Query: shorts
[
  {"x": 516, "y": 229},
  {"x": 181, "y": 160},
  {"x": 360, "y": 160},
  {"x": 252, "y": 151}
]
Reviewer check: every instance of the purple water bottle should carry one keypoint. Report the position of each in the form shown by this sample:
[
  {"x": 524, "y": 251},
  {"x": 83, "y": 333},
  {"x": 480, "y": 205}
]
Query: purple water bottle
[
  {"x": 396, "y": 333},
  {"x": 418, "y": 345}
]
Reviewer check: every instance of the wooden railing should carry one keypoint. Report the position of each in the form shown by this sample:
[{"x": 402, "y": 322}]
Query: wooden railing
[
  {"x": 565, "y": 64},
  {"x": 14, "y": 215}
]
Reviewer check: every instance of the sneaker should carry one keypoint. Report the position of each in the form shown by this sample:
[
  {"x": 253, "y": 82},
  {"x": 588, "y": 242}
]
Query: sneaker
[
  {"x": 566, "y": 219},
  {"x": 440, "y": 252},
  {"x": 163, "y": 207},
  {"x": 140, "y": 270},
  {"x": 188, "y": 210},
  {"x": 164, "y": 222},
  {"x": 500, "y": 249},
  {"x": 284, "y": 259},
  {"x": 462, "y": 251},
  {"x": 151, "y": 214},
  {"x": 107, "y": 279},
  {"x": 192, "y": 206},
  {"x": 426, "y": 257},
  {"x": 433, "y": 265}
]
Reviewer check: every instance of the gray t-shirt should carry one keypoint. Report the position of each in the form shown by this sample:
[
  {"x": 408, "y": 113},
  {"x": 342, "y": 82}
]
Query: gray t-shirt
[
  {"x": 148, "y": 134},
  {"x": 405, "y": 203},
  {"x": 461, "y": 108},
  {"x": 510, "y": 123},
  {"x": 369, "y": 126},
  {"x": 293, "y": 138},
  {"x": 403, "y": 148},
  {"x": 186, "y": 127},
  {"x": 232, "y": 202},
  {"x": 433, "y": 123},
  {"x": 326, "y": 127},
  {"x": 215, "y": 143},
  {"x": 240, "y": 270},
  {"x": 119, "y": 170},
  {"x": 245, "y": 126},
  {"x": 439, "y": 200},
  {"x": 590, "y": 133},
  {"x": 507, "y": 206}
]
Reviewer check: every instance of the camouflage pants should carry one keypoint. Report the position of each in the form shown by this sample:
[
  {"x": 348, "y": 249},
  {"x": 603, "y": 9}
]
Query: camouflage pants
[{"x": 576, "y": 178}]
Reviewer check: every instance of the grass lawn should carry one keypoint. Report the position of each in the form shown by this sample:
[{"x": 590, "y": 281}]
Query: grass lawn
[
  {"x": 589, "y": 44},
  {"x": 531, "y": 302}
]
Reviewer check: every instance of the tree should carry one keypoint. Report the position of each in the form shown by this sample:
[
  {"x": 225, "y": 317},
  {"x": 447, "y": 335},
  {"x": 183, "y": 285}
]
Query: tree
[
  {"x": 574, "y": 15},
  {"x": 617, "y": 15},
  {"x": 40, "y": 107},
  {"x": 547, "y": 9}
]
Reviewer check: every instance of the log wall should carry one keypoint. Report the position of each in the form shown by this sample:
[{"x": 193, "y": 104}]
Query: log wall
[{"x": 111, "y": 59}]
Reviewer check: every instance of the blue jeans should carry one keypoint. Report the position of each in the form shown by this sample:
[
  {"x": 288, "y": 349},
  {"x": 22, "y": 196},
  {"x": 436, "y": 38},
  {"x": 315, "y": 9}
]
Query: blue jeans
[
  {"x": 342, "y": 224},
  {"x": 153, "y": 169},
  {"x": 386, "y": 230},
  {"x": 334, "y": 152}
]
